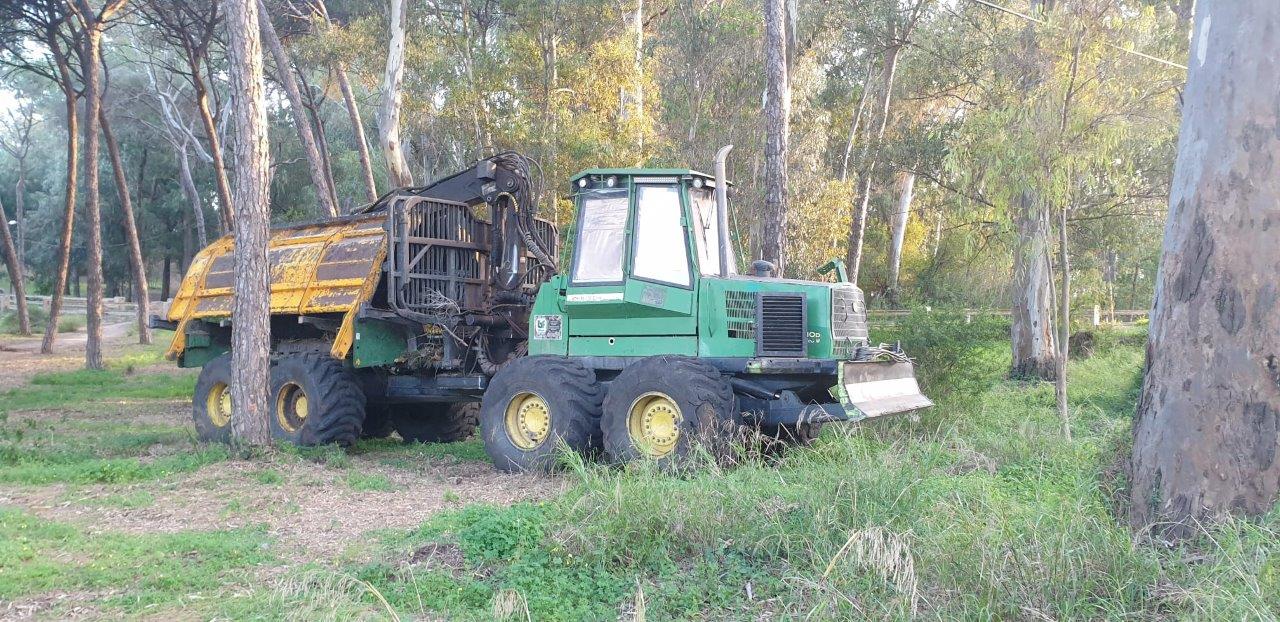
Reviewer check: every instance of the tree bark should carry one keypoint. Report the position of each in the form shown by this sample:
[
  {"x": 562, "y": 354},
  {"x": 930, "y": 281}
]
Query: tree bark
[
  {"x": 227, "y": 212},
  {"x": 1031, "y": 330},
  {"x": 91, "y": 63},
  {"x": 1208, "y": 419},
  {"x": 398, "y": 172},
  {"x": 1064, "y": 328},
  {"x": 251, "y": 309},
  {"x": 357, "y": 127},
  {"x": 310, "y": 145},
  {"x": 14, "y": 264},
  {"x": 777, "y": 112},
  {"x": 857, "y": 121},
  {"x": 69, "y": 195},
  {"x": 137, "y": 267},
  {"x": 192, "y": 195},
  {"x": 906, "y": 192}
]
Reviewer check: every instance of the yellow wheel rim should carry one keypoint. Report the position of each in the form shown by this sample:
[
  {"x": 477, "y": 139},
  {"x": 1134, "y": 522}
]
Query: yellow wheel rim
[
  {"x": 654, "y": 424},
  {"x": 291, "y": 407},
  {"x": 528, "y": 420},
  {"x": 218, "y": 405}
]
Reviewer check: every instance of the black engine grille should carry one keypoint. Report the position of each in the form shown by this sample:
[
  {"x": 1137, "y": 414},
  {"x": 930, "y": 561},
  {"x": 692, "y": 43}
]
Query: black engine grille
[{"x": 780, "y": 324}]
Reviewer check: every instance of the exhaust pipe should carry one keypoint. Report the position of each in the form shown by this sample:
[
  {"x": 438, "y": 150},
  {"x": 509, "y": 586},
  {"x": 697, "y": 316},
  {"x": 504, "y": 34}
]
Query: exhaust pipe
[{"x": 722, "y": 211}]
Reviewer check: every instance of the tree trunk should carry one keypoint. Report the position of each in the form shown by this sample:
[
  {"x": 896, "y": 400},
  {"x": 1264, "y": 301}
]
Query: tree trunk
[
  {"x": 251, "y": 309},
  {"x": 20, "y": 203},
  {"x": 137, "y": 268},
  {"x": 166, "y": 278},
  {"x": 1208, "y": 419},
  {"x": 906, "y": 192},
  {"x": 14, "y": 263},
  {"x": 91, "y": 61},
  {"x": 357, "y": 127},
  {"x": 227, "y": 212},
  {"x": 859, "y": 223},
  {"x": 310, "y": 145},
  {"x": 777, "y": 112},
  {"x": 69, "y": 196},
  {"x": 192, "y": 195},
  {"x": 1064, "y": 328},
  {"x": 398, "y": 173},
  {"x": 1031, "y": 331},
  {"x": 857, "y": 121}
]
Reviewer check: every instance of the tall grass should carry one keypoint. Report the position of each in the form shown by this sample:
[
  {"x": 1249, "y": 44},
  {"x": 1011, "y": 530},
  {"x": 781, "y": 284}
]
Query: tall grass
[{"x": 978, "y": 509}]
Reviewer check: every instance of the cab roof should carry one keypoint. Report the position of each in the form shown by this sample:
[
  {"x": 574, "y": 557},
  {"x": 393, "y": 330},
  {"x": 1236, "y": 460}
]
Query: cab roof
[{"x": 642, "y": 172}]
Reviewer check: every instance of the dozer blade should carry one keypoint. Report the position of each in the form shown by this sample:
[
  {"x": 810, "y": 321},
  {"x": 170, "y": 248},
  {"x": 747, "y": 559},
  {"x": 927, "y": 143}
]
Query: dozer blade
[{"x": 872, "y": 389}]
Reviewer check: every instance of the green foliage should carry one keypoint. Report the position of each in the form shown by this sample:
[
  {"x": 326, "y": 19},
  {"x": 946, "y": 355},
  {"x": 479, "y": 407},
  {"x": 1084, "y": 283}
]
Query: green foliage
[{"x": 488, "y": 533}]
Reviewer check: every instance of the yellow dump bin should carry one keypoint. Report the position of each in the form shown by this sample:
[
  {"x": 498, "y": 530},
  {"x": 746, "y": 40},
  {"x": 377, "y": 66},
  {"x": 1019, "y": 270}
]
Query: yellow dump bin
[{"x": 326, "y": 267}]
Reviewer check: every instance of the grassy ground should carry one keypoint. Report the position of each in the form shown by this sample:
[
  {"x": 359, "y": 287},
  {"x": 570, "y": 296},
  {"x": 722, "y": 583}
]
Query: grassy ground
[{"x": 976, "y": 509}]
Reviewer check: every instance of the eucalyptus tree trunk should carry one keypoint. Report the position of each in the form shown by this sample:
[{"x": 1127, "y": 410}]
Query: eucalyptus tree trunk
[
  {"x": 777, "y": 112},
  {"x": 14, "y": 263},
  {"x": 855, "y": 125},
  {"x": 1064, "y": 328},
  {"x": 398, "y": 172},
  {"x": 192, "y": 195},
  {"x": 906, "y": 192},
  {"x": 69, "y": 194},
  {"x": 357, "y": 127},
  {"x": 227, "y": 213},
  {"x": 1031, "y": 329},
  {"x": 1207, "y": 426},
  {"x": 898, "y": 35},
  {"x": 251, "y": 309},
  {"x": 137, "y": 267},
  {"x": 310, "y": 144}
]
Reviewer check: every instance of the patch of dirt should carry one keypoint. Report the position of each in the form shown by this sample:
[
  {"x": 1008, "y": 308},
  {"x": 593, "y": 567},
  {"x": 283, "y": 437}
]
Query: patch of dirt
[
  {"x": 22, "y": 359},
  {"x": 313, "y": 512},
  {"x": 63, "y": 605}
]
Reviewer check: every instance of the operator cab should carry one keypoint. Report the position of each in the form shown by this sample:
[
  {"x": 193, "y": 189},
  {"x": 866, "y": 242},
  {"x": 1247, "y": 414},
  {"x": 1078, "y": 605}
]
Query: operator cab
[{"x": 656, "y": 226}]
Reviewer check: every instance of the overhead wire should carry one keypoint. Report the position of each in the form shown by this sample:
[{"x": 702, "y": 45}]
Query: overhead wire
[{"x": 1113, "y": 46}]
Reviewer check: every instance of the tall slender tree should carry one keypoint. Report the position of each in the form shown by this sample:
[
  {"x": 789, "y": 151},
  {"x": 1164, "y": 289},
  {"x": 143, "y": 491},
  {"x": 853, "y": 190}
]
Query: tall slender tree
[
  {"x": 777, "y": 114},
  {"x": 398, "y": 171},
  {"x": 251, "y": 309},
  {"x": 92, "y": 24},
  {"x": 320, "y": 173},
  {"x": 14, "y": 264},
  {"x": 1207, "y": 428},
  {"x": 192, "y": 28}
]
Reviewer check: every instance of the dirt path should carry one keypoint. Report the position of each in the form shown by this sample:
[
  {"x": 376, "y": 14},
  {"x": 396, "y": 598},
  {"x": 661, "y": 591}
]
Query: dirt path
[
  {"x": 318, "y": 509},
  {"x": 20, "y": 357}
]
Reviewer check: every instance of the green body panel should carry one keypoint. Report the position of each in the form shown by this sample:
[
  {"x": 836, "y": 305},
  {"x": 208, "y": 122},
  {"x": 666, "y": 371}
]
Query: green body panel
[
  {"x": 201, "y": 355},
  {"x": 715, "y": 317},
  {"x": 377, "y": 343},
  {"x": 632, "y": 346},
  {"x": 548, "y": 321}
]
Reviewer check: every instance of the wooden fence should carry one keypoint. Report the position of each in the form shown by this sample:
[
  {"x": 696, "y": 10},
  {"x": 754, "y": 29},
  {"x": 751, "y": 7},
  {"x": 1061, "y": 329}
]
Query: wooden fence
[
  {"x": 113, "y": 309},
  {"x": 1098, "y": 317}
]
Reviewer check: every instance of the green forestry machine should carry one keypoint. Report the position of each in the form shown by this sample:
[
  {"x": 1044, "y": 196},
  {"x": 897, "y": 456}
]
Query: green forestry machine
[{"x": 439, "y": 308}]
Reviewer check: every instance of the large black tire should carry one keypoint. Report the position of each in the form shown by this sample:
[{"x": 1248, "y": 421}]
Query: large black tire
[
  {"x": 707, "y": 410},
  {"x": 436, "y": 423},
  {"x": 211, "y": 403},
  {"x": 333, "y": 404},
  {"x": 570, "y": 399}
]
